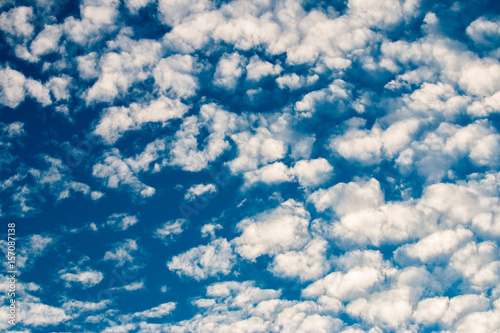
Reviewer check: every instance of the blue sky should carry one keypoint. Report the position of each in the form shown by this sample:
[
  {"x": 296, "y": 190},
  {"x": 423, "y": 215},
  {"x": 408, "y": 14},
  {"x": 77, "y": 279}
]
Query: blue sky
[{"x": 251, "y": 166}]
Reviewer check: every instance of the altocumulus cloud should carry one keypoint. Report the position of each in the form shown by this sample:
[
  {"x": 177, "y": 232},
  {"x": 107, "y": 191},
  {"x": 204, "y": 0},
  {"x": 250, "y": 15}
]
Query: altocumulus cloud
[{"x": 242, "y": 166}]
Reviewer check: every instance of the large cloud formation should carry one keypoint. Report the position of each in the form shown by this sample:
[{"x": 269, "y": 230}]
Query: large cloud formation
[{"x": 252, "y": 166}]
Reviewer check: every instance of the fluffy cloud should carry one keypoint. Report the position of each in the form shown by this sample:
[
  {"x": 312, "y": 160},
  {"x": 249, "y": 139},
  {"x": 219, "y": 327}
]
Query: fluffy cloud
[
  {"x": 176, "y": 75},
  {"x": 85, "y": 278},
  {"x": 228, "y": 71},
  {"x": 119, "y": 70},
  {"x": 118, "y": 172},
  {"x": 122, "y": 221},
  {"x": 17, "y": 21},
  {"x": 185, "y": 152},
  {"x": 199, "y": 190},
  {"x": 169, "y": 230},
  {"x": 205, "y": 260},
  {"x": 122, "y": 253},
  {"x": 272, "y": 232}
]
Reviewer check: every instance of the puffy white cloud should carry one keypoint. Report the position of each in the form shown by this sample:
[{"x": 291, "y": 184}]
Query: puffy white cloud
[
  {"x": 290, "y": 81},
  {"x": 382, "y": 14},
  {"x": 257, "y": 69},
  {"x": 122, "y": 253},
  {"x": 120, "y": 70},
  {"x": 209, "y": 230},
  {"x": 198, "y": 190},
  {"x": 47, "y": 40},
  {"x": 184, "y": 151},
  {"x": 255, "y": 310},
  {"x": 364, "y": 217},
  {"x": 169, "y": 230},
  {"x": 14, "y": 129},
  {"x": 32, "y": 247},
  {"x": 135, "y": 5},
  {"x": 368, "y": 146},
  {"x": 273, "y": 173},
  {"x": 118, "y": 172},
  {"x": 360, "y": 272},
  {"x": 205, "y": 260},
  {"x": 482, "y": 321},
  {"x": 447, "y": 311},
  {"x": 87, "y": 278},
  {"x": 479, "y": 263},
  {"x": 312, "y": 172},
  {"x": 139, "y": 285},
  {"x": 176, "y": 75},
  {"x": 228, "y": 70},
  {"x": 16, "y": 21},
  {"x": 349, "y": 198},
  {"x": 156, "y": 312},
  {"x": 438, "y": 244},
  {"x": 79, "y": 306},
  {"x": 39, "y": 314},
  {"x": 273, "y": 232},
  {"x": 97, "y": 19},
  {"x": 122, "y": 221},
  {"x": 12, "y": 83},
  {"x": 115, "y": 121},
  {"x": 87, "y": 66},
  {"x": 336, "y": 91},
  {"x": 483, "y": 31},
  {"x": 174, "y": 11},
  {"x": 307, "y": 264},
  {"x": 254, "y": 149}
]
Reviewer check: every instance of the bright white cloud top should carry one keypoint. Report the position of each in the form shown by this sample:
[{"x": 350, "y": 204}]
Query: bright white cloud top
[{"x": 243, "y": 166}]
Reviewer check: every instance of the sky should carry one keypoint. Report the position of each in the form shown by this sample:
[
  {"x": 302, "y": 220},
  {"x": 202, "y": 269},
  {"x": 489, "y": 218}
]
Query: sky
[{"x": 251, "y": 166}]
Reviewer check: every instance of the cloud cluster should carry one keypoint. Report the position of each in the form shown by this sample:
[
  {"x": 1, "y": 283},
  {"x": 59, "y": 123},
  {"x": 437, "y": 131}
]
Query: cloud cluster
[{"x": 350, "y": 152}]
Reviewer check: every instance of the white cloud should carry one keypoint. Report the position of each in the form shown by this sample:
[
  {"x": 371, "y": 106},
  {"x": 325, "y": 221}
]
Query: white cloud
[
  {"x": 254, "y": 149},
  {"x": 257, "y": 69},
  {"x": 87, "y": 278},
  {"x": 38, "y": 314},
  {"x": 169, "y": 230},
  {"x": 184, "y": 150},
  {"x": 79, "y": 306},
  {"x": 435, "y": 245},
  {"x": 47, "y": 40},
  {"x": 449, "y": 311},
  {"x": 156, "y": 312},
  {"x": 483, "y": 31},
  {"x": 17, "y": 21},
  {"x": 273, "y": 173},
  {"x": 290, "y": 81},
  {"x": 97, "y": 20},
  {"x": 14, "y": 129},
  {"x": 311, "y": 173},
  {"x": 228, "y": 70},
  {"x": 122, "y": 253},
  {"x": 87, "y": 66},
  {"x": 119, "y": 71},
  {"x": 12, "y": 83},
  {"x": 32, "y": 247},
  {"x": 139, "y": 285},
  {"x": 118, "y": 172},
  {"x": 198, "y": 190},
  {"x": 307, "y": 264},
  {"x": 174, "y": 12},
  {"x": 135, "y": 5},
  {"x": 209, "y": 230},
  {"x": 122, "y": 221},
  {"x": 359, "y": 273},
  {"x": 176, "y": 75},
  {"x": 278, "y": 230},
  {"x": 205, "y": 260}
]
